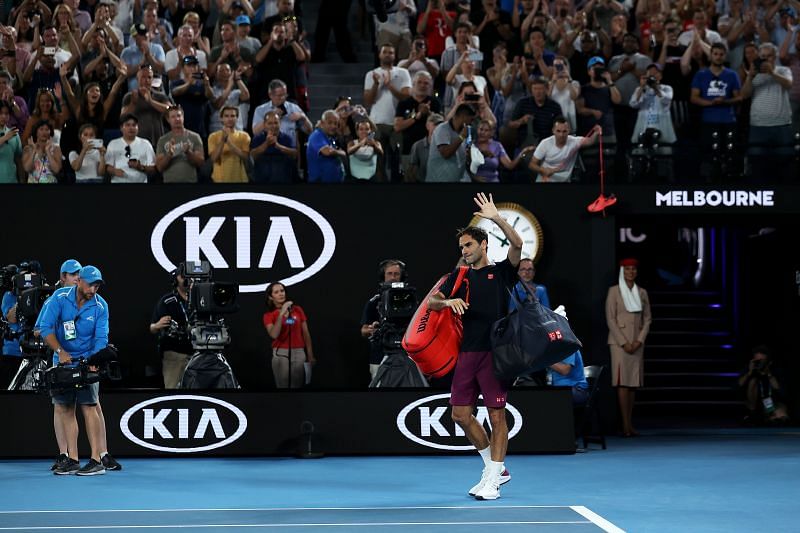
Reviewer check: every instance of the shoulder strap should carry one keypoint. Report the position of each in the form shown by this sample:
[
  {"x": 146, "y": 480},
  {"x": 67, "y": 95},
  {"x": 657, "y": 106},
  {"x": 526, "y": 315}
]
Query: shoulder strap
[{"x": 462, "y": 273}]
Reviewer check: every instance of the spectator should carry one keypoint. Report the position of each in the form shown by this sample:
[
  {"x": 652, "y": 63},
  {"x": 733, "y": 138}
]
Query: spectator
[
  {"x": 628, "y": 317},
  {"x": 158, "y": 30},
  {"x": 493, "y": 155},
  {"x": 555, "y": 157},
  {"x": 538, "y": 59},
  {"x": 465, "y": 70},
  {"x": 595, "y": 105},
  {"x": 229, "y": 149},
  {"x": 292, "y": 117},
  {"x": 301, "y": 66},
  {"x": 447, "y": 157},
  {"x": 588, "y": 44},
  {"x": 396, "y": 30},
  {"x": 14, "y": 64},
  {"x": 243, "y": 34},
  {"x": 89, "y": 164},
  {"x": 700, "y": 27},
  {"x": 413, "y": 112},
  {"x": 436, "y": 24},
  {"x": 770, "y": 110},
  {"x": 533, "y": 116},
  {"x": 384, "y": 88},
  {"x": 41, "y": 74},
  {"x": 738, "y": 27},
  {"x": 653, "y": 100},
  {"x": 193, "y": 93},
  {"x": 102, "y": 24},
  {"x": 364, "y": 152},
  {"x": 565, "y": 91},
  {"x": 333, "y": 14},
  {"x": 765, "y": 396},
  {"x": 41, "y": 158},
  {"x": 626, "y": 71},
  {"x": 792, "y": 60},
  {"x": 141, "y": 53},
  {"x": 525, "y": 286},
  {"x": 130, "y": 159},
  {"x": 285, "y": 10},
  {"x": 229, "y": 50},
  {"x": 278, "y": 59},
  {"x": 418, "y": 59},
  {"x": 418, "y": 166},
  {"x": 193, "y": 19},
  {"x": 148, "y": 105},
  {"x": 348, "y": 115},
  {"x": 173, "y": 62},
  {"x": 274, "y": 152},
  {"x": 716, "y": 90},
  {"x": 179, "y": 151},
  {"x": 287, "y": 326},
  {"x": 674, "y": 71},
  {"x": 463, "y": 44},
  {"x": 10, "y": 146},
  {"x": 45, "y": 109},
  {"x": 229, "y": 90},
  {"x": 468, "y": 94},
  {"x": 65, "y": 24},
  {"x": 492, "y": 25},
  {"x": 323, "y": 155},
  {"x": 19, "y": 109}
]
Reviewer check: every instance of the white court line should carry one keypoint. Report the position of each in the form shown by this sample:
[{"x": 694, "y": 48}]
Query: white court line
[
  {"x": 355, "y": 524},
  {"x": 596, "y": 519},
  {"x": 288, "y": 509}
]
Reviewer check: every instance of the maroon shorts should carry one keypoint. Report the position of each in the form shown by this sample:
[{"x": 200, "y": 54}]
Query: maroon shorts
[{"x": 474, "y": 374}]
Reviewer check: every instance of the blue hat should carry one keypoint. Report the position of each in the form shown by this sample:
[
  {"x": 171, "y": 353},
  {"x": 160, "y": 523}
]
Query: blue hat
[
  {"x": 788, "y": 11},
  {"x": 594, "y": 61},
  {"x": 242, "y": 19},
  {"x": 70, "y": 266},
  {"x": 91, "y": 274}
]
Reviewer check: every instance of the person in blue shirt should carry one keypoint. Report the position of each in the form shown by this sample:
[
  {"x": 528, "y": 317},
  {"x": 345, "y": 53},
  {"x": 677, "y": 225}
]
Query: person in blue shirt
[
  {"x": 324, "y": 157},
  {"x": 74, "y": 324},
  {"x": 526, "y": 271},
  {"x": 569, "y": 373},
  {"x": 12, "y": 354}
]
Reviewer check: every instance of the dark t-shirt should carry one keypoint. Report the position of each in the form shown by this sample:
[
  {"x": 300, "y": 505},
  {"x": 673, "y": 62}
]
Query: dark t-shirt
[
  {"x": 173, "y": 305},
  {"x": 488, "y": 301},
  {"x": 368, "y": 316},
  {"x": 598, "y": 98},
  {"x": 417, "y": 130}
]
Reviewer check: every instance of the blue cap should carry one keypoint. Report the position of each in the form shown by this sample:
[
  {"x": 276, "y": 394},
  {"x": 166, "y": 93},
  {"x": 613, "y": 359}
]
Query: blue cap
[
  {"x": 242, "y": 19},
  {"x": 91, "y": 274},
  {"x": 70, "y": 266},
  {"x": 594, "y": 61},
  {"x": 788, "y": 10}
]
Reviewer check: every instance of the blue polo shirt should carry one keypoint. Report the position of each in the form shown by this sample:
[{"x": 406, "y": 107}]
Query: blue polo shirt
[
  {"x": 576, "y": 377},
  {"x": 712, "y": 87},
  {"x": 10, "y": 347},
  {"x": 322, "y": 169},
  {"x": 60, "y": 314}
]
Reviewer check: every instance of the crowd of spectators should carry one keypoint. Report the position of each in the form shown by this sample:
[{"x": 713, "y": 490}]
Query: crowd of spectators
[{"x": 136, "y": 91}]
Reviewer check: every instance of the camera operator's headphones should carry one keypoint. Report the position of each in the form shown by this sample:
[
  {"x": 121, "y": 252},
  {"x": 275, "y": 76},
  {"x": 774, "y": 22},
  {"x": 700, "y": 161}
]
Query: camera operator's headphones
[
  {"x": 181, "y": 268},
  {"x": 386, "y": 263}
]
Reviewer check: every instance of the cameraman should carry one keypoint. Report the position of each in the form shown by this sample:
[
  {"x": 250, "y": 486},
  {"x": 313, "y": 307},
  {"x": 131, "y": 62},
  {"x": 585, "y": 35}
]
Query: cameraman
[
  {"x": 171, "y": 322},
  {"x": 74, "y": 324},
  {"x": 389, "y": 271},
  {"x": 12, "y": 355},
  {"x": 763, "y": 391},
  {"x": 653, "y": 101}
]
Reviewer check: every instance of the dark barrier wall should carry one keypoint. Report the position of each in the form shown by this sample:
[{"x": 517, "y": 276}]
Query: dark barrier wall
[
  {"x": 240, "y": 423},
  {"x": 329, "y": 240}
]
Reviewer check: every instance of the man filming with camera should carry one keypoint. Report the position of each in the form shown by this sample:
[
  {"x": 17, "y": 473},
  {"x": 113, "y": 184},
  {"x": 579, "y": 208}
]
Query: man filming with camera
[
  {"x": 653, "y": 100},
  {"x": 74, "y": 324},
  {"x": 170, "y": 323},
  {"x": 389, "y": 271}
]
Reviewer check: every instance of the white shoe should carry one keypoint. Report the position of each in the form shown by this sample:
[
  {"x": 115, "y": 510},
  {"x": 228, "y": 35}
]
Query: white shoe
[
  {"x": 505, "y": 477},
  {"x": 484, "y": 477},
  {"x": 491, "y": 488}
]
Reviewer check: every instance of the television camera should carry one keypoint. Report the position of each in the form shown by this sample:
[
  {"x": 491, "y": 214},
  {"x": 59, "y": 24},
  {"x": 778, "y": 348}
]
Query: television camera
[
  {"x": 207, "y": 301},
  {"x": 397, "y": 302}
]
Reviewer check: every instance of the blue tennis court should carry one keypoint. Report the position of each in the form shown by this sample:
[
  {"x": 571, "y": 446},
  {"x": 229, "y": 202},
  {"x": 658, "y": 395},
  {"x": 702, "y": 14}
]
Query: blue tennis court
[{"x": 733, "y": 481}]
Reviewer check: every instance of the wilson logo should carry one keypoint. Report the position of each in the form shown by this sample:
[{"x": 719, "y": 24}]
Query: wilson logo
[
  {"x": 183, "y": 423},
  {"x": 423, "y": 322},
  {"x": 428, "y": 422},
  {"x": 256, "y": 236}
]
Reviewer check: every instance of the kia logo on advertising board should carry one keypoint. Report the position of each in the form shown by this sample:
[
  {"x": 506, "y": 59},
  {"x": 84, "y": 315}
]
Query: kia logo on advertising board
[
  {"x": 428, "y": 422},
  {"x": 183, "y": 423},
  {"x": 256, "y": 237}
]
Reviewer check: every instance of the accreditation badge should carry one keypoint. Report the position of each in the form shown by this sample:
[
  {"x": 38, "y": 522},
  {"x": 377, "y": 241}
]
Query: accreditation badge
[{"x": 69, "y": 330}]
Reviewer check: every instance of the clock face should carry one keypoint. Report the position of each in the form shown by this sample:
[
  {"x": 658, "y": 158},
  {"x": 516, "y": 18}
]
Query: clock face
[{"x": 521, "y": 220}]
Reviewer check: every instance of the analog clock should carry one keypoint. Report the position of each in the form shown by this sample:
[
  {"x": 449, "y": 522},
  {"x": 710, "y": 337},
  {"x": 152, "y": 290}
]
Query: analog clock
[{"x": 521, "y": 220}]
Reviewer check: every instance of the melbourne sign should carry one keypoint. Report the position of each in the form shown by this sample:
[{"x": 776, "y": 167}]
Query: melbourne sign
[
  {"x": 428, "y": 422},
  {"x": 249, "y": 238},
  {"x": 731, "y": 198},
  {"x": 183, "y": 423}
]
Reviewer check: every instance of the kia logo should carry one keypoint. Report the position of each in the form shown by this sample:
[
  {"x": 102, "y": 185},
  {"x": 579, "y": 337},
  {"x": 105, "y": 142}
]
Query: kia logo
[
  {"x": 183, "y": 423},
  {"x": 427, "y": 422},
  {"x": 280, "y": 237}
]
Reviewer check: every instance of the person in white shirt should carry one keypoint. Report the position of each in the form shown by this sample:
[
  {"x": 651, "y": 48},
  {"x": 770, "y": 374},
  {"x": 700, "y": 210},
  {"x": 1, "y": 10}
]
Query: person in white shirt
[
  {"x": 396, "y": 29},
  {"x": 89, "y": 164},
  {"x": 554, "y": 157},
  {"x": 130, "y": 159},
  {"x": 173, "y": 62},
  {"x": 700, "y": 21},
  {"x": 384, "y": 88}
]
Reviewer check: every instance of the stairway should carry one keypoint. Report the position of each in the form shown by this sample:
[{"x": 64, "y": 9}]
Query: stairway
[
  {"x": 329, "y": 80},
  {"x": 691, "y": 367}
]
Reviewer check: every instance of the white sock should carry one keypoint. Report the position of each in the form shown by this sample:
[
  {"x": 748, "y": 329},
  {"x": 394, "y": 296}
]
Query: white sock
[
  {"x": 498, "y": 466},
  {"x": 486, "y": 455},
  {"x": 103, "y": 454}
]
